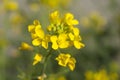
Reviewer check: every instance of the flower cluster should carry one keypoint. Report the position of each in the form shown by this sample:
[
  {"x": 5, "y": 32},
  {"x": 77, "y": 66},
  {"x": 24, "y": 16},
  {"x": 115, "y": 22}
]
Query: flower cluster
[{"x": 61, "y": 34}]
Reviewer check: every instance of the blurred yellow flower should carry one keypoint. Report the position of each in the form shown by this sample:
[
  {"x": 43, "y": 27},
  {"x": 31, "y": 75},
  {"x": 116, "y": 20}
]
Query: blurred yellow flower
[
  {"x": 17, "y": 19},
  {"x": 101, "y": 75},
  {"x": 11, "y": 5},
  {"x": 25, "y": 46},
  {"x": 84, "y": 21},
  {"x": 94, "y": 20},
  {"x": 37, "y": 58},
  {"x": 56, "y": 3},
  {"x": 66, "y": 60},
  {"x": 42, "y": 76},
  {"x": 34, "y": 7}
]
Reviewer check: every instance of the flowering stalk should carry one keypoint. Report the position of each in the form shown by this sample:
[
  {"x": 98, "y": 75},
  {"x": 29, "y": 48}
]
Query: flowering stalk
[
  {"x": 45, "y": 64},
  {"x": 62, "y": 34}
]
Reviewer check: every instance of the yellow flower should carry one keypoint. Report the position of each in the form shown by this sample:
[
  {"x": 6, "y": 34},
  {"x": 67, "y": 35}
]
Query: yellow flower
[
  {"x": 39, "y": 32},
  {"x": 25, "y": 46},
  {"x": 66, "y": 60},
  {"x": 84, "y": 21},
  {"x": 34, "y": 29},
  {"x": 38, "y": 35},
  {"x": 101, "y": 75},
  {"x": 37, "y": 42},
  {"x": 59, "y": 42},
  {"x": 63, "y": 59},
  {"x": 17, "y": 19},
  {"x": 69, "y": 19},
  {"x": 54, "y": 17},
  {"x": 37, "y": 58},
  {"x": 43, "y": 42},
  {"x": 10, "y": 5},
  {"x": 89, "y": 75},
  {"x": 71, "y": 63},
  {"x": 75, "y": 38}
]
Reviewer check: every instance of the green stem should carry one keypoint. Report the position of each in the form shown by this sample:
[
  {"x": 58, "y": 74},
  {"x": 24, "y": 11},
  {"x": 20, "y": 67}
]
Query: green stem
[{"x": 45, "y": 64}]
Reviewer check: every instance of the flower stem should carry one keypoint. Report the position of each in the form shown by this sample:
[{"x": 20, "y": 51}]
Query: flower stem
[{"x": 45, "y": 64}]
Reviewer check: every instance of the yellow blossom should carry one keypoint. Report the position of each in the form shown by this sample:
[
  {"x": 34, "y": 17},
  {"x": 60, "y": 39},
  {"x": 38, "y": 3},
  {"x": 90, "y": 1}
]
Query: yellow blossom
[
  {"x": 75, "y": 38},
  {"x": 10, "y": 5},
  {"x": 36, "y": 42},
  {"x": 38, "y": 35},
  {"x": 71, "y": 63},
  {"x": 25, "y": 46},
  {"x": 39, "y": 32},
  {"x": 101, "y": 75},
  {"x": 43, "y": 42},
  {"x": 69, "y": 19},
  {"x": 54, "y": 17},
  {"x": 34, "y": 29},
  {"x": 63, "y": 59},
  {"x": 66, "y": 60},
  {"x": 59, "y": 42},
  {"x": 37, "y": 58}
]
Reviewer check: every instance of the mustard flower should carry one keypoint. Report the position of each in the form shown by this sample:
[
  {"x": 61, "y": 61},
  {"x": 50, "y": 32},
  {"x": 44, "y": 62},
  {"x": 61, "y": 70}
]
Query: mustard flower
[
  {"x": 66, "y": 60},
  {"x": 38, "y": 35},
  {"x": 37, "y": 58},
  {"x": 11, "y": 5},
  {"x": 25, "y": 46},
  {"x": 69, "y": 19},
  {"x": 59, "y": 41},
  {"x": 101, "y": 75},
  {"x": 71, "y": 63},
  {"x": 76, "y": 38},
  {"x": 55, "y": 17}
]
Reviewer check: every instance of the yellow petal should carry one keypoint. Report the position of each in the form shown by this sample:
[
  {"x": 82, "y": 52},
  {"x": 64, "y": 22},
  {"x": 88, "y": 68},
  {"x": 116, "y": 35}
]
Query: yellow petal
[
  {"x": 35, "y": 62},
  {"x": 37, "y": 58},
  {"x": 39, "y": 32},
  {"x": 68, "y": 16},
  {"x": 71, "y": 36},
  {"x": 54, "y": 15},
  {"x": 62, "y": 37},
  {"x": 36, "y": 22},
  {"x": 55, "y": 45},
  {"x": 64, "y": 44},
  {"x": 63, "y": 59},
  {"x": 75, "y": 22},
  {"x": 76, "y": 31},
  {"x": 31, "y": 28},
  {"x": 45, "y": 44},
  {"x": 71, "y": 63},
  {"x": 78, "y": 44},
  {"x": 36, "y": 42},
  {"x": 33, "y": 35},
  {"x": 25, "y": 46},
  {"x": 53, "y": 38}
]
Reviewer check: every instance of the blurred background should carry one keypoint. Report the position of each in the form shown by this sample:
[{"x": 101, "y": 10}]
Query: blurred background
[{"x": 99, "y": 27}]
